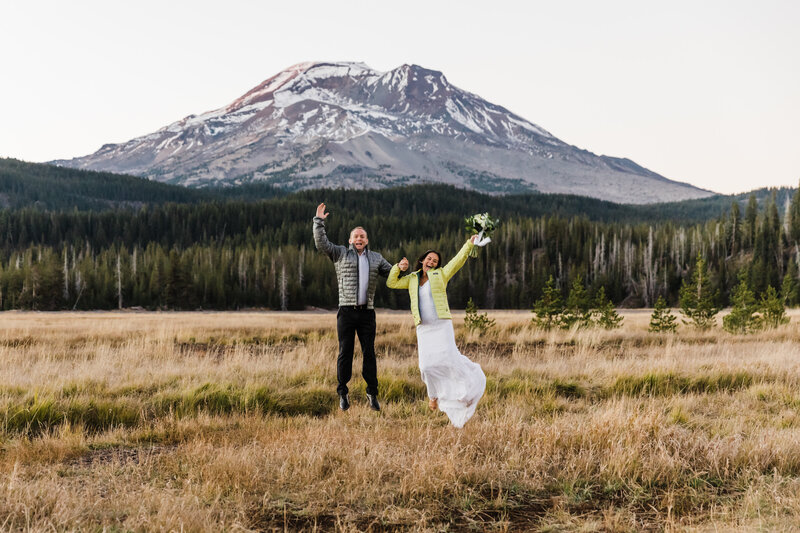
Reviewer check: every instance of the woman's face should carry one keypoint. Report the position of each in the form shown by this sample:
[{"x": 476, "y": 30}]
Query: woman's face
[{"x": 431, "y": 261}]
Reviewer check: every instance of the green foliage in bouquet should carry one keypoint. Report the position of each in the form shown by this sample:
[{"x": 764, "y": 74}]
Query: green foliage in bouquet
[{"x": 480, "y": 222}]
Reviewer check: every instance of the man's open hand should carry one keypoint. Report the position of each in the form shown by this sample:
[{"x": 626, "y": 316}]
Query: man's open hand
[{"x": 321, "y": 211}]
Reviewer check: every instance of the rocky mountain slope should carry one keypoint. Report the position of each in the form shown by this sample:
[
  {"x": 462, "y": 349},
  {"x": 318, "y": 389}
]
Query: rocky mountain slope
[{"x": 345, "y": 125}]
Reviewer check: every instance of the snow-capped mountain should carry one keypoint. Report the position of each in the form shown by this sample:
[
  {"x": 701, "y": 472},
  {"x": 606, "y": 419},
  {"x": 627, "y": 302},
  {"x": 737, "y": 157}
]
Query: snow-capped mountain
[{"x": 346, "y": 125}]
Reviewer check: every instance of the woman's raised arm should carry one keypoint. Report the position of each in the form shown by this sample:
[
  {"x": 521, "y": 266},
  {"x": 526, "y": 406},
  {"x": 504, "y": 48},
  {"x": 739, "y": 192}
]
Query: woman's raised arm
[{"x": 455, "y": 264}]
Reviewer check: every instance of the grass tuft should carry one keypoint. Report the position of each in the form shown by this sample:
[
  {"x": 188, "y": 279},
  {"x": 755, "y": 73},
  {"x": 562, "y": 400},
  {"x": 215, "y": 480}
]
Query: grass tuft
[{"x": 668, "y": 384}]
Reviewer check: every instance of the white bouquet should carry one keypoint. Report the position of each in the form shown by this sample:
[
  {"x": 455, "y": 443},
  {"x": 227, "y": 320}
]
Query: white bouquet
[{"x": 483, "y": 225}]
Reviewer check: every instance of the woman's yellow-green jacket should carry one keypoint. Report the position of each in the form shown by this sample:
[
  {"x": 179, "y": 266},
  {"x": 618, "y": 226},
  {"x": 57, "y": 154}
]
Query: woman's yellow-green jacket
[{"x": 437, "y": 277}]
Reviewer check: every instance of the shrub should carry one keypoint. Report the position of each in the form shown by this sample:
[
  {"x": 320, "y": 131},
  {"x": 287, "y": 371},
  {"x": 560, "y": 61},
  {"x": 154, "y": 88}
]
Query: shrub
[
  {"x": 662, "y": 319},
  {"x": 475, "y": 321}
]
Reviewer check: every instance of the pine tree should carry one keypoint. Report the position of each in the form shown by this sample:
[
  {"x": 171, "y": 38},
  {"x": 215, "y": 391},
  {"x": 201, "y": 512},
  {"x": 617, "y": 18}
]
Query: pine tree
[
  {"x": 604, "y": 314},
  {"x": 734, "y": 230},
  {"x": 475, "y": 321},
  {"x": 772, "y": 309},
  {"x": 750, "y": 215},
  {"x": 794, "y": 217},
  {"x": 743, "y": 317},
  {"x": 662, "y": 319},
  {"x": 578, "y": 309},
  {"x": 773, "y": 252},
  {"x": 697, "y": 299},
  {"x": 789, "y": 288},
  {"x": 549, "y": 308}
]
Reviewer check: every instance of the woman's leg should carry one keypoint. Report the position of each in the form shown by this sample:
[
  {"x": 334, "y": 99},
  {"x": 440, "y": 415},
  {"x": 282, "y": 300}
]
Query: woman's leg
[{"x": 433, "y": 396}]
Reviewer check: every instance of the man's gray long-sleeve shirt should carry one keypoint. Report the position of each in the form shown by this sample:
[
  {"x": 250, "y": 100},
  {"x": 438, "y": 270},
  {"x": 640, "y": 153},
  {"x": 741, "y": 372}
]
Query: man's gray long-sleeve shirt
[
  {"x": 363, "y": 278},
  {"x": 346, "y": 261}
]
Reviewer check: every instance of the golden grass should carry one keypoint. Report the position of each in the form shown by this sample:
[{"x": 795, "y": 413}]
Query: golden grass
[{"x": 229, "y": 421}]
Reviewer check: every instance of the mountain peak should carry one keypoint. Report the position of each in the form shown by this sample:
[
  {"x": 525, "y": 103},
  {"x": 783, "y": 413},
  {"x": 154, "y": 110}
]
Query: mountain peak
[{"x": 344, "y": 124}]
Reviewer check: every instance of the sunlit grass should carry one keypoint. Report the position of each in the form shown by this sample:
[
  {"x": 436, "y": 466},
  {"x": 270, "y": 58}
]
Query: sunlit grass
[{"x": 224, "y": 421}]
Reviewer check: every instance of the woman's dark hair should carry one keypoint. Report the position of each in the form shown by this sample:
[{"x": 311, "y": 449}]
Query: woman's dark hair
[{"x": 423, "y": 256}]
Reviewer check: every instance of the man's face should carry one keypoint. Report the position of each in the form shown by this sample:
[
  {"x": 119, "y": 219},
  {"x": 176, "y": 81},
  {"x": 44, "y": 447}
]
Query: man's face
[{"x": 358, "y": 238}]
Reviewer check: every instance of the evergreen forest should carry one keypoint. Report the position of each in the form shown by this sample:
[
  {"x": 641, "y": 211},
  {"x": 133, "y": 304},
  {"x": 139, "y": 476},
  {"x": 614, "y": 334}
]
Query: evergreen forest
[{"x": 74, "y": 239}]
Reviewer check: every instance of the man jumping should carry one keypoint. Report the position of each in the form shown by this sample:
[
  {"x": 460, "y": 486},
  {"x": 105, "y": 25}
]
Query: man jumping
[{"x": 357, "y": 270}]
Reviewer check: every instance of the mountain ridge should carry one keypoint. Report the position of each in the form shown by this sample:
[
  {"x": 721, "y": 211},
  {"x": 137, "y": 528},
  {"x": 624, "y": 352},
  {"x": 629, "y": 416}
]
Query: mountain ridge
[{"x": 319, "y": 124}]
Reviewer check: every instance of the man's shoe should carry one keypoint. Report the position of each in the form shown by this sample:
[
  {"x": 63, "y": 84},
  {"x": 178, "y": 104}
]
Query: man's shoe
[
  {"x": 344, "y": 402},
  {"x": 373, "y": 402}
]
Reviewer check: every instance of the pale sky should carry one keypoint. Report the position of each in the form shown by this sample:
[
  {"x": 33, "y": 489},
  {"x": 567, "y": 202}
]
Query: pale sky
[{"x": 706, "y": 92}]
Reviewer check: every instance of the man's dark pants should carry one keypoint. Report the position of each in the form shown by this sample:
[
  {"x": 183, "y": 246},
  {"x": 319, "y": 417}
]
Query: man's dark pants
[{"x": 349, "y": 321}]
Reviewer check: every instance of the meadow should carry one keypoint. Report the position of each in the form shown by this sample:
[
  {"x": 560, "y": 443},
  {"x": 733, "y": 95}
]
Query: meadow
[{"x": 117, "y": 421}]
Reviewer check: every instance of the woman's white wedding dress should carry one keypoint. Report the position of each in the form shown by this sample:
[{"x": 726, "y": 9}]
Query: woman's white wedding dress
[{"x": 451, "y": 377}]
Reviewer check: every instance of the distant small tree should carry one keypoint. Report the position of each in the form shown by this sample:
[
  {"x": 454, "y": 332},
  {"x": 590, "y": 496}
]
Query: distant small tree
[
  {"x": 696, "y": 298},
  {"x": 750, "y": 218},
  {"x": 549, "y": 308},
  {"x": 475, "y": 321},
  {"x": 604, "y": 314},
  {"x": 789, "y": 288},
  {"x": 743, "y": 317},
  {"x": 579, "y": 306},
  {"x": 733, "y": 235},
  {"x": 794, "y": 217},
  {"x": 662, "y": 320},
  {"x": 773, "y": 311}
]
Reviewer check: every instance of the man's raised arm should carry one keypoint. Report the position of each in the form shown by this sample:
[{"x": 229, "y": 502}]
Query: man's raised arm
[{"x": 321, "y": 238}]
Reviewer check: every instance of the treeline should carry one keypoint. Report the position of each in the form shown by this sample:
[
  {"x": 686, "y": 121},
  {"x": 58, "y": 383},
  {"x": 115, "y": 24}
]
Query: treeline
[
  {"x": 48, "y": 188},
  {"x": 229, "y": 255},
  {"x": 392, "y": 216},
  {"x": 51, "y": 188}
]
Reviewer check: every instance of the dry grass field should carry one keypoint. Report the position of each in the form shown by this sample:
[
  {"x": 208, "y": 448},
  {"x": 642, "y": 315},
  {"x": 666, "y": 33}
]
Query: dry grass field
[{"x": 229, "y": 421}]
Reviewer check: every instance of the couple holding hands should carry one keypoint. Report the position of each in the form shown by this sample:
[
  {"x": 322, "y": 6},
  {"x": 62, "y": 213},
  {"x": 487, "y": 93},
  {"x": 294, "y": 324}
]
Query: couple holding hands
[{"x": 454, "y": 383}]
